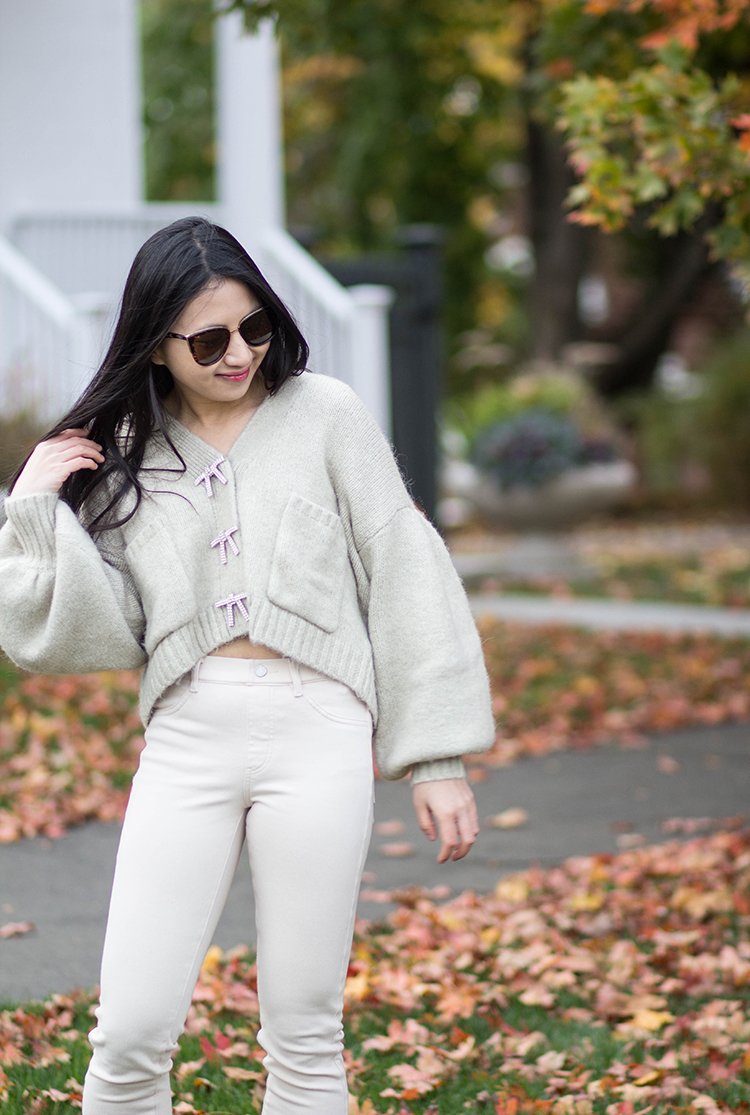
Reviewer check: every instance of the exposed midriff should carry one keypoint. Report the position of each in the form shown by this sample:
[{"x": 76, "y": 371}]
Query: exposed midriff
[{"x": 243, "y": 648}]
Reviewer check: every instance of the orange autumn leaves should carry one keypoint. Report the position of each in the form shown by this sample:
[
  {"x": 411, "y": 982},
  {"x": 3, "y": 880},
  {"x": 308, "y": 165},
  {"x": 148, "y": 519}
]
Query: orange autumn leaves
[
  {"x": 68, "y": 749},
  {"x": 682, "y": 20},
  {"x": 558, "y": 687},
  {"x": 609, "y": 985},
  {"x": 651, "y": 946},
  {"x": 69, "y": 745}
]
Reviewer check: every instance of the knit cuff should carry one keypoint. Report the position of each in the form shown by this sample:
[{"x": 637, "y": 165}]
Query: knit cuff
[
  {"x": 437, "y": 769},
  {"x": 33, "y": 519}
]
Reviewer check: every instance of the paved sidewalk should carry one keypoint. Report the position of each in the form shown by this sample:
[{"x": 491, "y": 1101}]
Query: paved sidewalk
[
  {"x": 577, "y": 803},
  {"x": 625, "y": 615},
  {"x": 552, "y": 555}
]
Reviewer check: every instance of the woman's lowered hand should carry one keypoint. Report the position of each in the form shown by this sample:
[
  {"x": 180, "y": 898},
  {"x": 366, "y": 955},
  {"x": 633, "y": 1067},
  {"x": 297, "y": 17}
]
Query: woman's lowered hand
[{"x": 446, "y": 807}]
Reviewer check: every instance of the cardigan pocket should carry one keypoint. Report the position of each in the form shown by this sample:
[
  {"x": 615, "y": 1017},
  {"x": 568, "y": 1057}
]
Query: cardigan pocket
[
  {"x": 309, "y": 563},
  {"x": 168, "y": 600}
]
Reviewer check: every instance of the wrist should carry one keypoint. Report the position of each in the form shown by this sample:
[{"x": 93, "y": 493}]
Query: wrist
[
  {"x": 25, "y": 486},
  {"x": 435, "y": 770}
]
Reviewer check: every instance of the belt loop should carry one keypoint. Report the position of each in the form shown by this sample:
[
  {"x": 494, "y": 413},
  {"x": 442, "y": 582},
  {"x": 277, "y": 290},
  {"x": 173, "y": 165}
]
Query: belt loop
[
  {"x": 195, "y": 676},
  {"x": 296, "y": 678}
]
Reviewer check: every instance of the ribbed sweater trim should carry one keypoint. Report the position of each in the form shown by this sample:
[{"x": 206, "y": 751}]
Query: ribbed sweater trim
[
  {"x": 435, "y": 769},
  {"x": 269, "y": 626},
  {"x": 33, "y": 519}
]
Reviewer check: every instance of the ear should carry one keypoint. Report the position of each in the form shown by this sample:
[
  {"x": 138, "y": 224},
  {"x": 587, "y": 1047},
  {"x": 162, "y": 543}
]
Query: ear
[{"x": 157, "y": 356}]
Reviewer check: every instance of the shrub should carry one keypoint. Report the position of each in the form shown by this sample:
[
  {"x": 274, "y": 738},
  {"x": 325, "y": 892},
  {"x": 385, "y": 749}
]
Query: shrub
[
  {"x": 553, "y": 391},
  {"x": 535, "y": 426},
  {"x": 533, "y": 447},
  {"x": 722, "y": 421},
  {"x": 697, "y": 450},
  {"x": 18, "y": 435}
]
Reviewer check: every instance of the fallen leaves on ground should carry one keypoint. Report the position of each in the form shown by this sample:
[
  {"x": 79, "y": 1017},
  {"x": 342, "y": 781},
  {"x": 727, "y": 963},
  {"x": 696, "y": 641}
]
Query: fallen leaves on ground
[
  {"x": 397, "y": 850},
  {"x": 708, "y": 565},
  {"x": 16, "y": 929},
  {"x": 609, "y": 985},
  {"x": 557, "y": 687},
  {"x": 678, "y": 562},
  {"x": 69, "y": 745},
  {"x": 509, "y": 818},
  {"x": 68, "y": 749}
]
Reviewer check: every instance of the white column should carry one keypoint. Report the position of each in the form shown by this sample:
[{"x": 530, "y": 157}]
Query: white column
[
  {"x": 249, "y": 166},
  {"x": 371, "y": 364},
  {"x": 70, "y": 105}
]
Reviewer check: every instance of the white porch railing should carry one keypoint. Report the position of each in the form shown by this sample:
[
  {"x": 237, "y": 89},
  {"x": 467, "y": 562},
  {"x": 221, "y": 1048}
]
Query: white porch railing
[
  {"x": 90, "y": 251},
  {"x": 347, "y": 330},
  {"x": 87, "y": 256},
  {"x": 47, "y": 345}
]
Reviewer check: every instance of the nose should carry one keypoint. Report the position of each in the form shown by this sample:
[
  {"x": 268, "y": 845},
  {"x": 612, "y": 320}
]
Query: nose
[{"x": 238, "y": 353}]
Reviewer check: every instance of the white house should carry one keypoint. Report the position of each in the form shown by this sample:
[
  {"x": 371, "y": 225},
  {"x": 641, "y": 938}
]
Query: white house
[{"x": 72, "y": 213}]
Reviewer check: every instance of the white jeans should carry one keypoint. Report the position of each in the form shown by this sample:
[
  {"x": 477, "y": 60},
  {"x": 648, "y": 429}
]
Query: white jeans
[{"x": 279, "y": 754}]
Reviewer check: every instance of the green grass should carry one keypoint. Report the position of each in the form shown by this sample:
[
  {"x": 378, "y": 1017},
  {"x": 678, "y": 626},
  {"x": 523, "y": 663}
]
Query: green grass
[
  {"x": 579, "y": 990},
  {"x": 589, "y": 1051},
  {"x": 676, "y": 579}
]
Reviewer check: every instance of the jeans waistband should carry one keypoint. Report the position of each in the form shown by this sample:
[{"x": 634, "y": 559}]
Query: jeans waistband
[{"x": 253, "y": 671}]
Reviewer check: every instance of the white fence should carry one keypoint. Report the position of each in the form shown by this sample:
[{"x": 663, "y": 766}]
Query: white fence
[
  {"x": 47, "y": 346},
  {"x": 347, "y": 330},
  {"x": 67, "y": 271},
  {"x": 92, "y": 252}
]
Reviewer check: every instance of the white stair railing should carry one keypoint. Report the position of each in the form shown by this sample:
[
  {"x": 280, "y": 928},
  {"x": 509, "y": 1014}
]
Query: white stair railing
[
  {"x": 47, "y": 345},
  {"x": 347, "y": 329},
  {"x": 93, "y": 250}
]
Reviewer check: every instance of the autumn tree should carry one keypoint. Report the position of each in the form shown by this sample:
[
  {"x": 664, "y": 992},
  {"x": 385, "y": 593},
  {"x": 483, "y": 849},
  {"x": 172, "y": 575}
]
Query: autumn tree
[
  {"x": 500, "y": 116},
  {"x": 659, "y": 142},
  {"x": 633, "y": 113},
  {"x": 178, "y": 99}
]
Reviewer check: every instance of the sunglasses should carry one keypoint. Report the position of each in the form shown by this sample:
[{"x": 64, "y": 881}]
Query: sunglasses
[{"x": 207, "y": 346}]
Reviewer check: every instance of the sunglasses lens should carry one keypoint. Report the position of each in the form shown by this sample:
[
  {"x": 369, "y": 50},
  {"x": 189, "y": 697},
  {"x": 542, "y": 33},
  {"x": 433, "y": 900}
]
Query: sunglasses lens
[
  {"x": 209, "y": 346},
  {"x": 257, "y": 328}
]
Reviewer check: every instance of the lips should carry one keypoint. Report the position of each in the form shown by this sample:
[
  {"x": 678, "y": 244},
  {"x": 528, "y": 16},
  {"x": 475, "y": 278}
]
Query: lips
[{"x": 240, "y": 377}]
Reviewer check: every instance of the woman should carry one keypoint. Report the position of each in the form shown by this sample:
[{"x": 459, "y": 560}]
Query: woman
[{"x": 239, "y": 527}]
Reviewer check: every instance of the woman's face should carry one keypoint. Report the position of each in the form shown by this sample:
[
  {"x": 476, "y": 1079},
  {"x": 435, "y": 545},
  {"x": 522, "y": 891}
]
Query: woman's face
[{"x": 232, "y": 379}]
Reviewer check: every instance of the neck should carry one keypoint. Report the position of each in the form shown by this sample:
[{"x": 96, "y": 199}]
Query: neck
[{"x": 198, "y": 415}]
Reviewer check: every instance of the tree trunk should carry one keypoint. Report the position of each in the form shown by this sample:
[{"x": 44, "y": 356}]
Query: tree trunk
[
  {"x": 560, "y": 247},
  {"x": 646, "y": 337},
  {"x": 562, "y": 251}
]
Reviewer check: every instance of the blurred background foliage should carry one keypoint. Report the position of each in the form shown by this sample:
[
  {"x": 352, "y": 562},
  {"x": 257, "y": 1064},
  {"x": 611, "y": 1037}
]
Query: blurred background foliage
[
  {"x": 494, "y": 119},
  {"x": 695, "y": 448},
  {"x": 178, "y": 100}
]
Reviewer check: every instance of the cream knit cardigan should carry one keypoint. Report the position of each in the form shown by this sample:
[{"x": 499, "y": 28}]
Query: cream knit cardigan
[{"x": 303, "y": 537}]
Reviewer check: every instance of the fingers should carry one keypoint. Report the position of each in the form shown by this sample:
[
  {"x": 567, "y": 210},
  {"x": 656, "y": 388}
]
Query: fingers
[
  {"x": 70, "y": 438},
  {"x": 458, "y": 831},
  {"x": 424, "y": 819},
  {"x": 447, "y": 808},
  {"x": 79, "y": 448},
  {"x": 73, "y": 453},
  {"x": 54, "y": 460}
]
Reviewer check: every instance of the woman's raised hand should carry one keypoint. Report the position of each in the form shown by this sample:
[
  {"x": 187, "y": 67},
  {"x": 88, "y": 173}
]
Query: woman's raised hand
[
  {"x": 447, "y": 806},
  {"x": 53, "y": 461}
]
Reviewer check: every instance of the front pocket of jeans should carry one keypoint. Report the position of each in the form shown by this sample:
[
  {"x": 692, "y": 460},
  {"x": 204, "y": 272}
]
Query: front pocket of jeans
[
  {"x": 309, "y": 562},
  {"x": 174, "y": 696},
  {"x": 336, "y": 702}
]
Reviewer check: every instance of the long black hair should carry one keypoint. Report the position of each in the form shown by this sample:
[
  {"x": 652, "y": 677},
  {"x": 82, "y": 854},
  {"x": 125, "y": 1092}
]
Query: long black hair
[{"x": 122, "y": 405}]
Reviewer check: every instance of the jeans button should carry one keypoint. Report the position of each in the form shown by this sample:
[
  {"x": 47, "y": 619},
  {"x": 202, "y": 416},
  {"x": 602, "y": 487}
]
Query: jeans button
[{"x": 261, "y": 671}]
